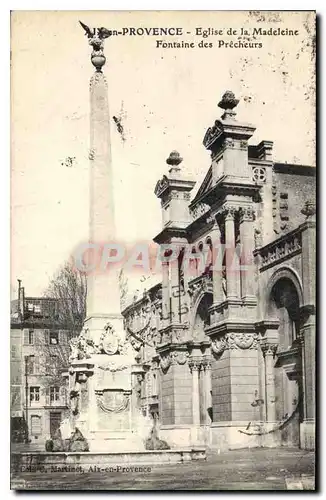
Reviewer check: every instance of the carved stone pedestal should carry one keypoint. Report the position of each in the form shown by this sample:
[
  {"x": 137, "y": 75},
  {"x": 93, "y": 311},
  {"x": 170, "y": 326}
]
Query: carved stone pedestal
[{"x": 102, "y": 405}]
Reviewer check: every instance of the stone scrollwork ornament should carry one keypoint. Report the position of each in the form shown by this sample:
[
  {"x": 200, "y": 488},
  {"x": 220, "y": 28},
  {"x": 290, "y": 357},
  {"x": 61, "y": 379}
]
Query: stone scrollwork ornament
[
  {"x": 242, "y": 340},
  {"x": 135, "y": 342},
  {"x": 181, "y": 357},
  {"x": 112, "y": 402},
  {"x": 165, "y": 362},
  {"x": 218, "y": 346},
  {"x": 82, "y": 347}
]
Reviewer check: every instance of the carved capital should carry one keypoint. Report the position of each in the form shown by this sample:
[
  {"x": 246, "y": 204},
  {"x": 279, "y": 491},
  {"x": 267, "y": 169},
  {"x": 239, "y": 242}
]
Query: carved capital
[
  {"x": 195, "y": 364},
  {"x": 247, "y": 214},
  {"x": 229, "y": 211},
  {"x": 268, "y": 348},
  {"x": 175, "y": 195},
  {"x": 207, "y": 364},
  {"x": 228, "y": 143}
]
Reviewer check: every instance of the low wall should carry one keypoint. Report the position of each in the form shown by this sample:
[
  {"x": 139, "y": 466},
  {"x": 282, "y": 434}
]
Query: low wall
[{"x": 33, "y": 462}]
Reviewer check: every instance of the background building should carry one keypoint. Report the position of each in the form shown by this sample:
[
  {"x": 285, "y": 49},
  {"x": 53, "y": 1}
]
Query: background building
[
  {"x": 39, "y": 356},
  {"x": 229, "y": 350}
]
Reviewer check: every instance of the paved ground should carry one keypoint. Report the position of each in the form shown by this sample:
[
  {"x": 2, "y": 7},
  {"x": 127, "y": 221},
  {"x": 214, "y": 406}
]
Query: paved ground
[{"x": 256, "y": 469}]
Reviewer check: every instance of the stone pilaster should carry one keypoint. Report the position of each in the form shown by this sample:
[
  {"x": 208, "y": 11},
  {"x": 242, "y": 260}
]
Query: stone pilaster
[
  {"x": 308, "y": 239},
  {"x": 234, "y": 376},
  {"x": 175, "y": 292},
  {"x": 176, "y": 387},
  {"x": 247, "y": 246},
  {"x": 308, "y": 343},
  {"x": 269, "y": 351},
  {"x": 231, "y": 257},
  {"x": 269, "y": 343},
  {"x": 217, "y": 260},
  {"x": 195, "y": 366},
  {"x": 165, "y": 294},
  {"x": 207, "y": 387},
  {"x": 308, "y": 327}
]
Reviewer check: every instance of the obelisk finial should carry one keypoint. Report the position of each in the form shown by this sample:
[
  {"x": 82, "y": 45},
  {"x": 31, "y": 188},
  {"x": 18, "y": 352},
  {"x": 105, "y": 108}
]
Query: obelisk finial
[{"x": 96, "y": 38}]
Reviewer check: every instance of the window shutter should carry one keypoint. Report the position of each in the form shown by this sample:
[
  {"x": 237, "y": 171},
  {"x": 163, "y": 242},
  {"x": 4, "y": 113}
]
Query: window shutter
[
  {"x": 62, "y": 337},
  {"x": 47, "y": 396},
  {"x": 26, "y": 336},
  {"x": 36, "y": 365},
  {"x": 46, "y": 337},
  {"x": 63, "y": 393},
  {"x": 30, "y": 365},
  {"x": 36, "y": 335}
]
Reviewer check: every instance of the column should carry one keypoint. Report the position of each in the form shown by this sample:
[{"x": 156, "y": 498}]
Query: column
[
  {"x": 207, "y": 388},
  {"x": 165, "y": 294},
  {"x": 247, "y": 247},
  {"x": 175, "y": 291},
  {"x": 217, "y": 261},
  {"x": 309, "y": 367},
  {"x": 269, "y": 353},
  {"x": 185, "y": 297},
  {"x": 308, "y": 236},
  {"x": 194, "y": 368},
  {"x": 308, "y": 328},
  {"x": 231, "y": 259}
]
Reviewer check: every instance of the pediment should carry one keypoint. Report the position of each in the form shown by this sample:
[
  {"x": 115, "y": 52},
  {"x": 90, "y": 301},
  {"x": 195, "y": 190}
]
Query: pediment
[
  {"x": 206, "y": 185},
  {"x": 161, "y": 185},
  {"x": 212, "y": 133}
]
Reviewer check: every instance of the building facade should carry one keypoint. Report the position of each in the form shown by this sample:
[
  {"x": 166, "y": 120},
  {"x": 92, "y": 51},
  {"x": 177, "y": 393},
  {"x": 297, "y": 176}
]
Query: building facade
[
  {"x": 227, "y": 340},
  {"x": 39, "y": 357}
]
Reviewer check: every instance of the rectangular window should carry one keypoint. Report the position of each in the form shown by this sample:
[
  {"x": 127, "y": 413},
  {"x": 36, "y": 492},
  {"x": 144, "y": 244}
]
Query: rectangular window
[
  {"x": 54, "y": 394},
  {"x": 36, "y": 425},
  {"x": 54, "y": 338},
  {"x": 34, "y": 394},
  {"x": 51, "y": 365},
  {"x": 32, "y": 365}
]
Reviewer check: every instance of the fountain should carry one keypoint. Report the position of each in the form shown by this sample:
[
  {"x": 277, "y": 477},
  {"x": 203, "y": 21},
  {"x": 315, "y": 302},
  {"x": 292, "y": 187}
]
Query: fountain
[{"x": 105, "y": 425}]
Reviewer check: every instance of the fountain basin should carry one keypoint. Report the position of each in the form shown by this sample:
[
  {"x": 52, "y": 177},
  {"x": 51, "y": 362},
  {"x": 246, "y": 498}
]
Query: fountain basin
[{"x": 33, "y": 462}]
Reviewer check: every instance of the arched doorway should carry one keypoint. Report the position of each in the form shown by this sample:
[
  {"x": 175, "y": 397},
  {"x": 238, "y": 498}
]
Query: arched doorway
[
  {"x": 285, "y": 304},
  {"x": 202, "y": 318}
]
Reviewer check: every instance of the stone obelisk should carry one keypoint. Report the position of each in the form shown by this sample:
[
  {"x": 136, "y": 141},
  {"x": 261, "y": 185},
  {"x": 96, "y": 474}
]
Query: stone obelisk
[
  {"x": 103, "y": 297},
  {"x": 102, "y": 372}
]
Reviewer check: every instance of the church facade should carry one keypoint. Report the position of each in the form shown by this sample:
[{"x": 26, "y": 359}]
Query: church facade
[{"x": 227, "y": 340}]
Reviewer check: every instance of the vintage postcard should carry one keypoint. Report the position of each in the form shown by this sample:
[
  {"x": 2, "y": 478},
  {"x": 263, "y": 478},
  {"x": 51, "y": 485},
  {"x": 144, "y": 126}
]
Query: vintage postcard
[{"x": 163, "y": 250}]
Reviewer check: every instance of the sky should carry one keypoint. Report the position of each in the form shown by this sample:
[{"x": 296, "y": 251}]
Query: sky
[{"x": 167, "y": 99}]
